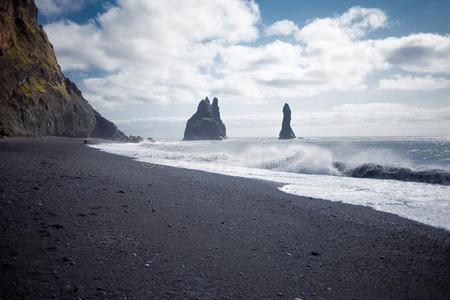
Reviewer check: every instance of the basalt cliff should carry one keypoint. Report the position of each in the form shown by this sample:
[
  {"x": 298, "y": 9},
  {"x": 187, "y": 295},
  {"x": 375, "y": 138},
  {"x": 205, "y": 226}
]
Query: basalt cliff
[
  {"x": 35, "y": 96},
  {"x": 206, "y": 123}
]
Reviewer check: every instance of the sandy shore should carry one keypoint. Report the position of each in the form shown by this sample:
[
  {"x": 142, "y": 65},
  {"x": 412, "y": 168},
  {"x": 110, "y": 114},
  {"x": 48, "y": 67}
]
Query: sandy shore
[{"x": 79, "y": 223}]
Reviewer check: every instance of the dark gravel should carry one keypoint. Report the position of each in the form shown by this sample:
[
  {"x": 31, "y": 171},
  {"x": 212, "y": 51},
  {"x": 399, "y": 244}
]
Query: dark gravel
[{"x": 79, "y": 223}]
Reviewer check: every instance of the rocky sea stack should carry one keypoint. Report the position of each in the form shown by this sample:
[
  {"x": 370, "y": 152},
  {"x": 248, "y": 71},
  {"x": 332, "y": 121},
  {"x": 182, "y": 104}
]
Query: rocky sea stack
[
  {"x": 35, "y": 96},
  {"x": 206, "y": 123},
  {"x": 286, "y": 132}
]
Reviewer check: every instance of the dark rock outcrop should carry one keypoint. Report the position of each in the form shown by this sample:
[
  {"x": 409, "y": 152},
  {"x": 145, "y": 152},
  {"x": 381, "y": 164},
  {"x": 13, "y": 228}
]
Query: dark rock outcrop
[
  {"x": 371, "y": 170},
  {"x": 35, "y": 96},
  {"x": 286, "y": 132},
  {"x": 205, "y": 124},
  {"x": 106, "y": 129},
  {"x": 216, "y": 115},
  {"x": 136, "y": 139}
]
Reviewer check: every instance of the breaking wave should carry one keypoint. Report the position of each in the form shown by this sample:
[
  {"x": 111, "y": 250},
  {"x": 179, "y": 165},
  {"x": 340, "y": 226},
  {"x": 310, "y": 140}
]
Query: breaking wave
[
  {"x": 404, "y": 176},
  {"x": 298, "y": 158},
  {"x": 295, "y": 159},
  {"x": 375, "y": 171},
  {"x": 320, "y": 161}
]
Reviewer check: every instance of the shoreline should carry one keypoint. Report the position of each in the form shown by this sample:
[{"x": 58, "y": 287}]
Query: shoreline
[
  {"x": 78, "y": 222},
  {"x": 422, "y": 202}
]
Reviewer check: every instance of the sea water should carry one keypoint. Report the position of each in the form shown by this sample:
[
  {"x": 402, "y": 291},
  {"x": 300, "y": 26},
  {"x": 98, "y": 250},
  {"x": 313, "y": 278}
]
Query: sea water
[{"x": 407, "y": 176}]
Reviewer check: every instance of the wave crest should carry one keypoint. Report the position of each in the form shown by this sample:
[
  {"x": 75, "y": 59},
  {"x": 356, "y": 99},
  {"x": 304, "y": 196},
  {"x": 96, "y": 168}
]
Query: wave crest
[
  {"x": 305, "y": 160},
  {"x": 376, "y": 171}
]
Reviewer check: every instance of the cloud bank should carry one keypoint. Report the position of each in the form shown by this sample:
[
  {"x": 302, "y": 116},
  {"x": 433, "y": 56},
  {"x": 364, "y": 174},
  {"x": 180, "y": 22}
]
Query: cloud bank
[
  {"x": 374, "y": 118},
  {"x": 175, "y": 52}
]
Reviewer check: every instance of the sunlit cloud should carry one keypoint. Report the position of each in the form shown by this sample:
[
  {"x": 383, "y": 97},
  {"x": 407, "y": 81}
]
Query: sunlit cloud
[{"x": 163, "y": 53}]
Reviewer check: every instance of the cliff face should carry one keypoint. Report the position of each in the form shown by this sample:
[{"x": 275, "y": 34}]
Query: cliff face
[
  {"x": 35, "y": 96},
  {"x": 286, "y": 130},
  {"x": 205, "y": 124}
]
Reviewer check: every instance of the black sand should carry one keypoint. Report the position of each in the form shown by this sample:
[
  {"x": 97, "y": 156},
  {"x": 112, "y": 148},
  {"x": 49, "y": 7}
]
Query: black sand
[{"x": 79, "y": 223}]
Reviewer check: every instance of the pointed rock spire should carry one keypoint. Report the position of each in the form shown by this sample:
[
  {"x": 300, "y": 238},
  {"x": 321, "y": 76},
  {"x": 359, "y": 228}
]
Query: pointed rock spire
[
  {"x": 216, "y": 115},
  {"x": 286, "y": 130}
]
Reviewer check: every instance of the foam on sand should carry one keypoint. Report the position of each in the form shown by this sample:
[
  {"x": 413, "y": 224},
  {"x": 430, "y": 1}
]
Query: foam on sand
[{"x": 309, "y": 170}]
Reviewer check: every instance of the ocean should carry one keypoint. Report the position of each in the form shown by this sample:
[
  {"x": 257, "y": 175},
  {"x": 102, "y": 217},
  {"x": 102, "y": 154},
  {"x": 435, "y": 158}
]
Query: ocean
[{"x": 406, "y": 176}]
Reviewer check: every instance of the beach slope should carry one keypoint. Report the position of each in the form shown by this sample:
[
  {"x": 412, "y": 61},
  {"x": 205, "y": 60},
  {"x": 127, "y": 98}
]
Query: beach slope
[{"x": 79, "y": 223}]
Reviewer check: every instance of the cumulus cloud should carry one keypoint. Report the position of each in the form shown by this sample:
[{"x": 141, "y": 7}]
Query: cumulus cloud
[
  {"x": 329, "y": 55},
  {"x": 153, "y": 51},
  {"x": 51, "y": 8},
  {"x": 284, "y": 27},
  {"x": 357, "y": 21},
  {"x": 80, "y": 47},
  {"x": 351, "y": 25},
  {"x": 414, "y": 83},
  {"x": 422, "y": 52},
  {"x": 147, "y": 32},
  {"x": 174, "y": 51}
]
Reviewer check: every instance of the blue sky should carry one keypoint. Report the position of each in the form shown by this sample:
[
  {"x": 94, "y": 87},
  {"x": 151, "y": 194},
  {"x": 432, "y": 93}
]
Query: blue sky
[
  {"x": 409, "y": 15},
  {"x": 345, "y": 67}
]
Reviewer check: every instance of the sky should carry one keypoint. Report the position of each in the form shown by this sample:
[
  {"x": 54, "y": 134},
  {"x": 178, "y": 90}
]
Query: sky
[{"x": 346, "y": 68}]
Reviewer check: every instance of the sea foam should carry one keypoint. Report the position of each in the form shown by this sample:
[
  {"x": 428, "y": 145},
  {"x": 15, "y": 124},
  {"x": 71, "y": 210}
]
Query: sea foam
[{"x": 320, "y": 170}]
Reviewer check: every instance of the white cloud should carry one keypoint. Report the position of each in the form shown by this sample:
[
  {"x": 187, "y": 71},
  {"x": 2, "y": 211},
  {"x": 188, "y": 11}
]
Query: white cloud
[
  {"x": 148, "y": 32},
  {"x": 329, "y": 56},
  {"x": 358, "y": 20},
  {"x": 350, "y": 26},
  {"x": 414, "y": 83},
  {"x": 56, "y": 7},
  {"x": 422, "y": 52},
  {"x": 284, "y": 27},
  {"x": 174, "y": 51},
  {"x": 155, "y": 51},
  {"x": 80, "y": 47}
]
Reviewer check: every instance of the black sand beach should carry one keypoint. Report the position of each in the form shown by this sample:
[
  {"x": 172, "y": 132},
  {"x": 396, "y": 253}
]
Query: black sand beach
[{"x": 79, "y": 223}]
